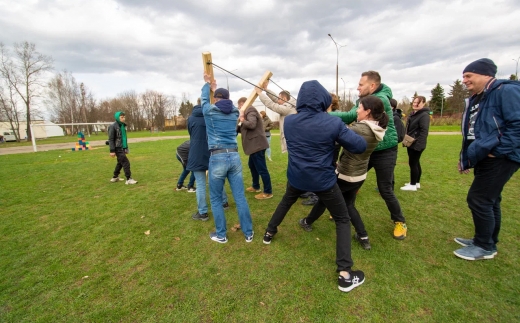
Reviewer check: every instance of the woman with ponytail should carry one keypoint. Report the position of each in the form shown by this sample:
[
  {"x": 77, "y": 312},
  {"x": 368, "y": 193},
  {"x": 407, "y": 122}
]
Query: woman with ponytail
[{"x": 352, "y": 168}]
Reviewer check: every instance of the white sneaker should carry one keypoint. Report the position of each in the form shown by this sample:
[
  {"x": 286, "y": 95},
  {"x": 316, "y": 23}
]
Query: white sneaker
[
  {"x": 131, "y": 181},
  {"x": 269, "y": 158},
  {"x": 116, "y": 179},
  {"x": 409, "y": 188},
  {"x": 418, "y": 185}
]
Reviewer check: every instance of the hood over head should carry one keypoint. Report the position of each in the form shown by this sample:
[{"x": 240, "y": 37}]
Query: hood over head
[
  {"x": 313, "y": 96},
  {"x": 225, "y": 105},
  {"x": 117, "y": 115},
  {"x": 197, "y": 111}
]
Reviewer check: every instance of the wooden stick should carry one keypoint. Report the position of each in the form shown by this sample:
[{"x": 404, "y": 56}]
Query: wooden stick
[
  {"x": 208, "y": 69},
  {"x": 252, "y": 97}
]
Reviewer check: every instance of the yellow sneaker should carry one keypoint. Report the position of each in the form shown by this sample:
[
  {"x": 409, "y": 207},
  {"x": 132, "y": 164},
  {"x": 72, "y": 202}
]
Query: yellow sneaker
[
  {"x": 400, "y": 230},
  {"x": 263, "y": 196},
  {"x": 253, "y": 190}
]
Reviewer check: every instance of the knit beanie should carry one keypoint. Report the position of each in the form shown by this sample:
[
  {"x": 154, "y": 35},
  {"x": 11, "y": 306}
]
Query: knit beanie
[{"x": 483, "y": 66}]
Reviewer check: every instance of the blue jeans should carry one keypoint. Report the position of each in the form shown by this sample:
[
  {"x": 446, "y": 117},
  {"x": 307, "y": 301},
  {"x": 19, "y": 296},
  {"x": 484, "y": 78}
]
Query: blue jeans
[
  {"x": 268, "y": 150},
  {"x": 258, "y": 168},
  {"x": 184, "y": 174},
  {"x": 200, "y": 179},
  {"x": 383, "y": 162},
  {"x": 484, "y": 196},
  {"x": 222, "y": 166}
]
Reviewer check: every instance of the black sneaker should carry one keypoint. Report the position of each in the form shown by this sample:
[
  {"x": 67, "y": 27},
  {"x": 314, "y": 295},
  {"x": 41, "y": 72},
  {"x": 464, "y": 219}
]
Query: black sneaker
[
  {"x": 191, "y": 189},
  {"x": 180, "y": 187},
  {"x": 225, "y": 206},
  {"x": 304, "y": 225},
  {"x": 311, "y": 200},
  {"x": 356, "y": 278},
  {"x": 198, "y": 216},
  {"x": 268, "y": 237},
  {"x": 364, "y": 242},
  {"x": 306, "y": 195}
]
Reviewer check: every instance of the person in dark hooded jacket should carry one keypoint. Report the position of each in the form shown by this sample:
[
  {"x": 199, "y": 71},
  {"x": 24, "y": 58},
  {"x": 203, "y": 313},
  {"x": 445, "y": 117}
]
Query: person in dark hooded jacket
[
  {"x": 198, "y": 160},
  {"x": 118, "y": 144},
  {"x": 310, "y": 135}
]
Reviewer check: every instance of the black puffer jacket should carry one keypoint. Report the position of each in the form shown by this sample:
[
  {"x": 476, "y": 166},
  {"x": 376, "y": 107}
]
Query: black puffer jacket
[
  {"x": 115, "y": 138},
  {"x": 417, "y": 126}
]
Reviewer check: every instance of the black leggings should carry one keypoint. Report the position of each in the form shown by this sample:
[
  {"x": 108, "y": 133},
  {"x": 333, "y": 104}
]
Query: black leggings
[{"x": 414, "y": 157}]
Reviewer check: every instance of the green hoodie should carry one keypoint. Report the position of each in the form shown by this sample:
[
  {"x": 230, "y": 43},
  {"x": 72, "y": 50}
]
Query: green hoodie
[
  {"x": 122, "y": 125},
  {"x": 385, "y": 94}
]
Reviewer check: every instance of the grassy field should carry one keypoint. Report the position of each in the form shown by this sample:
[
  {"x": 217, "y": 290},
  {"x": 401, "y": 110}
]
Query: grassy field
[
  {"x": 143, "y": 134},
  {"x": 74, "y": 248}
]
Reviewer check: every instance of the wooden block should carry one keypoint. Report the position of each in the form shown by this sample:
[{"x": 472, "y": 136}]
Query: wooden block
[
  {"x": 208, "y": 69},
  {"x": 252, "y": 97}
]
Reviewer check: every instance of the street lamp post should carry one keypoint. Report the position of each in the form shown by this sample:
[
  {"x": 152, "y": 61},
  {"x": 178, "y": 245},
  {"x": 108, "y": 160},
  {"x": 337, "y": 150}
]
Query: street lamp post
[
  {"x": 337, "y": 60},
  {"x": 344, "y": 94},
  {"x": 227, "y": 81},
  {"x": 516, "y": 71}
]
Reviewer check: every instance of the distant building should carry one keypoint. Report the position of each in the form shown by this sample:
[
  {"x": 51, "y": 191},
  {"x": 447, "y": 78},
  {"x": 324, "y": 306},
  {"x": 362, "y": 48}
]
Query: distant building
[{"x": 39, "y": 131}]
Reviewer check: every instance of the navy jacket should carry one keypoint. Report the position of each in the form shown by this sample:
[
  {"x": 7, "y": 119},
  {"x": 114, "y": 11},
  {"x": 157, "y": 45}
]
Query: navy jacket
[
  {"x": 310, "y": 136},
  {"x": 198, "y": 159},
  {"x": 497, "y": 125}
]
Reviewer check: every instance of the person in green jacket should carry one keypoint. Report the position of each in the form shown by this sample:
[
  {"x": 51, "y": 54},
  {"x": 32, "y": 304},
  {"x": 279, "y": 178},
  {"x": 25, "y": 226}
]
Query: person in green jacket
[{"x": 384, "y": 157}]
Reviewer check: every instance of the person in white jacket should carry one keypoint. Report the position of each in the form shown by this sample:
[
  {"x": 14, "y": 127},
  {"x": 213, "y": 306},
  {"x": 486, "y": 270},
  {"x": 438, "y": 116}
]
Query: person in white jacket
[{"x": 282, "y": 104}]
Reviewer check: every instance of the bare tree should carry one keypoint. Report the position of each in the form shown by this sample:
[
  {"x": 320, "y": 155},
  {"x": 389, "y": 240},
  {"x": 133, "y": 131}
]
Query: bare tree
[
  {"x": 25, "y": 73},
  {"x": 9, "y": 111}
]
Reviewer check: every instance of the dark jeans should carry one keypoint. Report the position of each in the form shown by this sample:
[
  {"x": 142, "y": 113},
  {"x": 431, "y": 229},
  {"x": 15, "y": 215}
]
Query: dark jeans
[
  {"x": 122, "y": 162},
  {"x": 415, "y": 166},
  {"x": 258, "y": 168},
  {"x": 349, "y": 192},
  {"x": 383, "y": 162},
  {"x": 184, "y": 174},
  {"x": 484, "y": 196},
  {"x": 333, "y": 201}
]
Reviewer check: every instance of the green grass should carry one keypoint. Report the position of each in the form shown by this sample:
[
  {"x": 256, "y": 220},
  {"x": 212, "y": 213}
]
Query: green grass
[
  {"x": 452, "y": 128},
  {"x": 61, "y": 221}
]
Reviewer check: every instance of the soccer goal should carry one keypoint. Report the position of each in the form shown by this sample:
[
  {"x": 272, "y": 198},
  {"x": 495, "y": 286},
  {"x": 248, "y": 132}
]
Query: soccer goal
[{"x": 37, "y": 125}]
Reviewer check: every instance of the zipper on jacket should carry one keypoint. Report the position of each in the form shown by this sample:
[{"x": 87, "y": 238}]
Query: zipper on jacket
[{"x": 498, "y": 127}]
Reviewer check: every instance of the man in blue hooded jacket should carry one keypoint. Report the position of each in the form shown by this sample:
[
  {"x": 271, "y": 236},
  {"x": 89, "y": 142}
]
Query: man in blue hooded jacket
[
  {"x": 198, "y": 160},
  {"x": 311, "y": 135},
  {"x": 118, "y": 144},
  {"x": 224, "y": 161},
  {"x": 490, "y": 145}
]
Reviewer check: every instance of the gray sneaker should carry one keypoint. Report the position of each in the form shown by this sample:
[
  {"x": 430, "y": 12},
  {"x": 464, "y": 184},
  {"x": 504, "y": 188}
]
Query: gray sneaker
[
  {"x": 464, "y": 242},
  {"x": 474, "y": 253},
  {"x": 198, "y": 216},
  {"x": 304, "y": 225},
  {"x": 116, "y": 179}
]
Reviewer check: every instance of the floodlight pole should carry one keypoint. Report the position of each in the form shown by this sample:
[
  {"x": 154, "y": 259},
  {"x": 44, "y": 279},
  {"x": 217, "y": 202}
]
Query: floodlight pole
[
  {"x": 337, "y": 61},
  {"x": 516, "y": 71}
]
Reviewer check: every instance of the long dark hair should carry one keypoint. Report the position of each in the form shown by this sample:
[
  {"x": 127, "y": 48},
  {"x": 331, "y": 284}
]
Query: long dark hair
[{"x": 377, "y": 109}]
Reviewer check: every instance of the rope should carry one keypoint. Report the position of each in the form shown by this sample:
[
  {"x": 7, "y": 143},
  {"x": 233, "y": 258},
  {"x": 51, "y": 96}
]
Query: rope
[{"x": 223, "y": 69}]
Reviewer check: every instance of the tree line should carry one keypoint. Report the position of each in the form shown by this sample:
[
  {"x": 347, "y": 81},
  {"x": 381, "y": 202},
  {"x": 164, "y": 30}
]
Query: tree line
[{"x": 24, "y": 80}]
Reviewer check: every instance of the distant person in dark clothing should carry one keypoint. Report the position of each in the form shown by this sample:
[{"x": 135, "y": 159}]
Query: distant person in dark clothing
[
  {"x": 268, "y": 125},
  {"x": 118, "y": 144},
  {"x": 182, "y": 156},
  {"x": 417, "y": 126},
  {"x": 398, "y": 120}
]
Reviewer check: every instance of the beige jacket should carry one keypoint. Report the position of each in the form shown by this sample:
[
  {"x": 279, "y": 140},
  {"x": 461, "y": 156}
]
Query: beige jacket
[{"x": 270, "y": 101}]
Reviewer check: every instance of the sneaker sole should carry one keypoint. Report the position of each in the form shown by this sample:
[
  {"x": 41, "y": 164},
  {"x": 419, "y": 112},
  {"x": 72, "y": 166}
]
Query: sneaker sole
[
  {"x": 400, "y": 237},
  {"x": 472, "y": 258},
  {"x": 203, "y": 220},
  {"x": 348, "y": 289},
  {"x": 263, "y": 198}
]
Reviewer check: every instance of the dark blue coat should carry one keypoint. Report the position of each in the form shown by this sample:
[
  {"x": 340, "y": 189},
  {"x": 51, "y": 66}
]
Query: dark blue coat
[
  {"x": 497, "y": 126},
  {"x": 310, "y": 136},
  {"x": 198, "y": 159}
]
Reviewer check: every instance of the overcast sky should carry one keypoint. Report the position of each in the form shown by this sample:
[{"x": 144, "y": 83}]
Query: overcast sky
[{"x": 116, "y": 46}]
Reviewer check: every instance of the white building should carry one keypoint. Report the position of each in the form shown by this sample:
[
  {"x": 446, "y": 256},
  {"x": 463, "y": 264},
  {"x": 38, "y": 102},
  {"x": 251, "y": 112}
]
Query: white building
[{"x": 40, "y": 132}]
